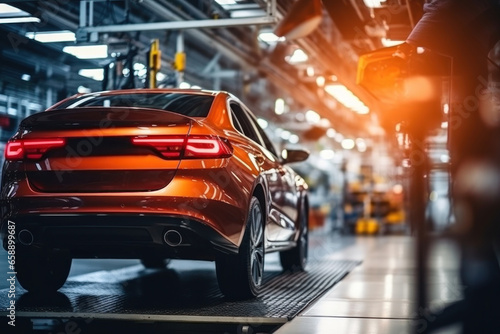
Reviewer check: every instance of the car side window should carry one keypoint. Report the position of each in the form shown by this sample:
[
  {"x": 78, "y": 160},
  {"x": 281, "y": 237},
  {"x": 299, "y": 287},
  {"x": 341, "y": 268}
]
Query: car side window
[
  {"x": 236, "y": 123},
  {"x": 245, "y": 123},
  {"x": 267, "y": 142}
]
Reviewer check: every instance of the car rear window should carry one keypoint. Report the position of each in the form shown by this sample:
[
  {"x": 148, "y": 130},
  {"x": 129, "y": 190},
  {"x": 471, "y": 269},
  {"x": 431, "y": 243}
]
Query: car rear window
[{"x": 185, "y": 104}]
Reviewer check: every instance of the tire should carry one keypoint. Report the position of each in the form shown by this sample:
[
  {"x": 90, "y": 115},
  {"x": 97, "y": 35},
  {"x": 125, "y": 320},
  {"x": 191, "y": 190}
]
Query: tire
[
  {"x": 295, "y": 259},
  {"x": 43, "y": 271},
  {"x": 240, "y": 276},
  {"x": 155, "y": 263}
]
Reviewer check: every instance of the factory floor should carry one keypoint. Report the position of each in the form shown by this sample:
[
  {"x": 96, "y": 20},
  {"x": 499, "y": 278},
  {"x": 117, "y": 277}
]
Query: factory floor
[{"x": 379, "y": 295}]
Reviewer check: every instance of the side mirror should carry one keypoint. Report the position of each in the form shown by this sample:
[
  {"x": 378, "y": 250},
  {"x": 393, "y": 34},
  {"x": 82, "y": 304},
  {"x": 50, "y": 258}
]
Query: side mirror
[{"x": 290, "y": 156}]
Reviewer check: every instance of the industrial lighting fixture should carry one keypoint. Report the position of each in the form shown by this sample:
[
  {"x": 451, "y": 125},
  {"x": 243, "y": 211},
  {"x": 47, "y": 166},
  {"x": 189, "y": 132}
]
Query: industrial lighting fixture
[
  {"x": 87, "y": 51},
  {"x": 347, "y": 98},
  {"x": 374, "y": 3},
  {"x": 312, "y": 117},
  {"x": 10, "y": 10},
  {"x": 52, "y": 36},
  {"x": 279, "y": 106},
  {"x": 331, "y": 133},
  {"x": 327, "y": 154},
  {"x": 294, "y": 139},
  {"x": 11, "y": 14},
  {"x": 8, "y": 20},
  {"x": 92, "y": 73},
  {"x": 263, "y": 123},
  {"x": 285, "y": 134},
  {"x": 361, "y": 145},
  {"x": 301, "y": 20},
  {"x": 386, "y": 42},
  {"x": 225, "y": 2},
  {"x": 269, "y": 37},
  {"x": 348, "y": 144},
  {"x": 320, "y": 81},
  {"x": 298, "y": 56}
]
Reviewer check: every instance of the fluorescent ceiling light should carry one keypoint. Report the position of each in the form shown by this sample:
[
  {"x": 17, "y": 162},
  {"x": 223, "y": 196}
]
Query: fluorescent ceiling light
[
  {"x": 294, "y": 139},
  {"x": 374, "y": 3},
  {"x": 19, "y": 20},
  {"x": 389, "y": 42},
  {"x": 348, "y": 144},
  {"x": 52, "y": 36},
  {"x": 269, "y": 37},
  {"x": 327, "y": 154},
  {"x": 87, "y": 51},
  {"x": 92, "y": 73},
  {"x": 347, "y": 98},
  {"x": 11, "y": 14},
  {"x": 312, "y": 117},
  {"x": 263, "y": 123},
  {"x": 298, "y": 56},
  {"x": 226, "y": 2},
  {"x": 279, "y": 106},
  {"x": 10, "y": 10}
]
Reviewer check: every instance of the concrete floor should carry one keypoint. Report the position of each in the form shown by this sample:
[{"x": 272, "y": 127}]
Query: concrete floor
[{"x": 379, "y": 295}]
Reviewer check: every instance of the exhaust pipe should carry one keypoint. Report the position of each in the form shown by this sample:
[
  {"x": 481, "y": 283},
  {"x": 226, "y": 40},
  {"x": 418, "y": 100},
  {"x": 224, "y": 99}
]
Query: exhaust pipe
[
  {"x": 25, "y": 237},
  {"x": 172, "y": 238}
]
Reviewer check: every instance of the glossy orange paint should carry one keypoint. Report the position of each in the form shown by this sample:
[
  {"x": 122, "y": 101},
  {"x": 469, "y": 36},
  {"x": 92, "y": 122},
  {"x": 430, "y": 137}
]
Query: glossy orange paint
[{"x": 101, "y": 173}]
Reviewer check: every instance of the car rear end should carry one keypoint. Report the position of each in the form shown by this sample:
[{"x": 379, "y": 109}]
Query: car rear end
[{"x": 121, "y": 182}]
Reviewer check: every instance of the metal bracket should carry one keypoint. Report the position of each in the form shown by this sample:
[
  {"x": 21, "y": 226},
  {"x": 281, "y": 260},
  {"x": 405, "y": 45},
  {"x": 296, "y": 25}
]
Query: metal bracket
[{"x": 89, "y": 33}]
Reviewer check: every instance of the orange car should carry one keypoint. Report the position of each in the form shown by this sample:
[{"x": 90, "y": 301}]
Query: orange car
[{"x": 154, "y": 175}]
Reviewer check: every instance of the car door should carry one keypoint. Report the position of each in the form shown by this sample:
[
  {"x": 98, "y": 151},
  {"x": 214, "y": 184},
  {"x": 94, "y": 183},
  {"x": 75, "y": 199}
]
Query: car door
[{"x": 280, "y": 227}]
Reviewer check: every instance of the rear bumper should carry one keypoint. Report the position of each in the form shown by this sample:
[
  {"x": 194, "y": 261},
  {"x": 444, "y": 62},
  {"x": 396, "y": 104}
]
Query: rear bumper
[{"x": 119, "y": 236}]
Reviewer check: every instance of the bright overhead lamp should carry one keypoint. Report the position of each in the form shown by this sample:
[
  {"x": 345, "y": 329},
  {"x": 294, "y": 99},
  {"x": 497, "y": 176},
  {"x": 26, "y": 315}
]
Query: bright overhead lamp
[
  {"x": 52, "y": 36},
  {"x": 92, "y": 73},
  {"x": 347, "y": 98},
  {"x": 10, "y": 10},
  {"x": 301, "y": 20},
  {"x": 312, "y": 117},
  {"x": 327, "y": 154},
  {"x": 374, "y": 3},
  {"x": 269, "y": 37},
  {"x": 8, "y": 20},
  {"x": 386, "y": 42},
  {"x": 348, "y": 144},
  {"x": 226, "y": 2},
  {"x": 294, "y": 139},
  {"x": 87, "y": 51},
  {"x": 298, "y": 56},
  {"x": 263, "y": 123},
  {"x": 11, "y": 14},
  {"x": 279, "y": 106},
  {"x": 331, "y": 133}
]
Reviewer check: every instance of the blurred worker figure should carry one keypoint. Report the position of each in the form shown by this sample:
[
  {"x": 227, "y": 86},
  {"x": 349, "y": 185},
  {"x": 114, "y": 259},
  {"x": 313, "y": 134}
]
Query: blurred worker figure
[{"x": 466, "y": 31}]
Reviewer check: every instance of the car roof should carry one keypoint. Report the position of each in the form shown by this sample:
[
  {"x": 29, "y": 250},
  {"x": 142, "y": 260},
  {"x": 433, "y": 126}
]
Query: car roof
[{"x": 157, "y": 90}]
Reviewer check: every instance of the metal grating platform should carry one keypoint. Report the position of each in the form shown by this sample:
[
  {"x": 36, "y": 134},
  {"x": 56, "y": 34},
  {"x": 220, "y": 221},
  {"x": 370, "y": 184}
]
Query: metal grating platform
[
  {"x": 183, "y": 298},
  {"x": 189, "y": 293}
]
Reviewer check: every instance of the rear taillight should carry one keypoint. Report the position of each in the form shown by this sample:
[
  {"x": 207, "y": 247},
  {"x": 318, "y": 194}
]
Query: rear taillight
[
  {"x": 191, "y": 147},
  {"x": 32, "y": 149}
]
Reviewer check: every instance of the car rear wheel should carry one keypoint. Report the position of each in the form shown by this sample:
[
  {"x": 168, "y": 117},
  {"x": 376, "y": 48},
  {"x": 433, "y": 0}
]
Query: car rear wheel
[
  {"x": 43, "y": 271},
  {"x": 240, "y": 276},
  {"x": 295, "y": 259},
  {"x": 155, "y": 263}
]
